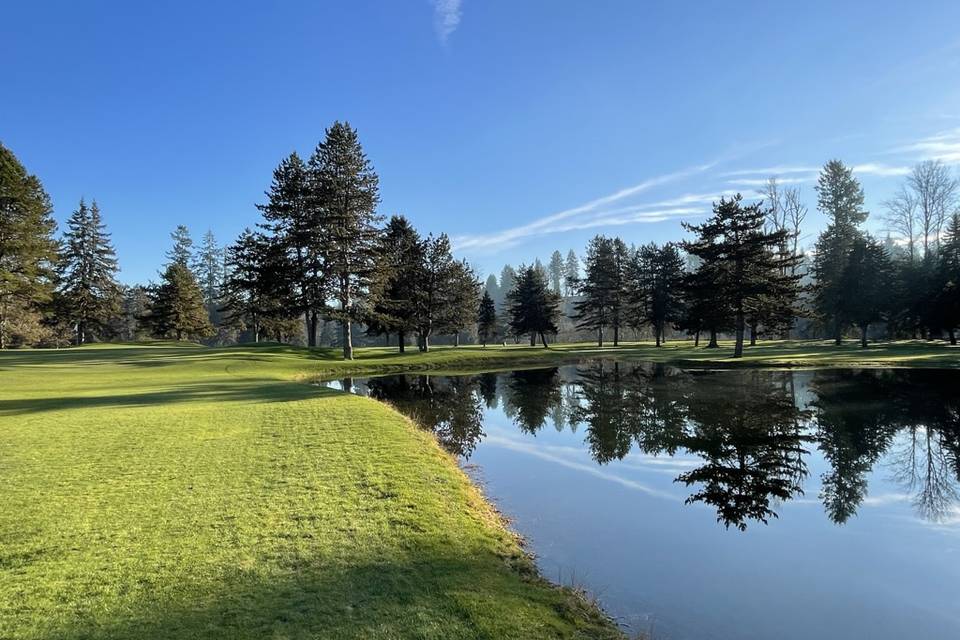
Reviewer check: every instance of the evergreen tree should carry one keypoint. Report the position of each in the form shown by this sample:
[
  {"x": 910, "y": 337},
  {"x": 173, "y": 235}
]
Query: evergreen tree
[
  {"x": 177, "y": 310},
  {"x": 491, "y": 287},
  {"x": 555, "y": 269},
  {"x": 394, "y": 288},
  {"x": 571, "y": 273},
  {"x": 486, "y": 319},
  {"x": 28, "y": 251},
  {"x": 947, "y": 301},
  {"x": 866, "y": 280},
  {"x": 706, "y": 307},
  {"x": 434, "y": 288},
  {"x": 602, "y": 289},
  {"x": 840, "y": 198},
  {"x": 293, "y": 219},
  {"x": 182, "y": 250},
  {"x": 460, "y": 304},
  {"x": 209, "y": 270},
  {"x": 656, "y": 287},
  {"x": 244, "y": 298},
  {"x": 742, "y": 256},
  {"x": 508, "y": 280},
  {"x": 87, "y": 278},
  {"x": 534, "y": 308},
  {"x": 346, "y": 191}
]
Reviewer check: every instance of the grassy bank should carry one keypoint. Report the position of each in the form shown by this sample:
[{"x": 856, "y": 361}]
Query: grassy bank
[
  {"x": 184, "y": 492},
  {"x": 775, "y": 353}
]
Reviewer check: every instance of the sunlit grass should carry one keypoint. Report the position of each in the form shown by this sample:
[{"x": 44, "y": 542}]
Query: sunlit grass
[{"x": 184, "y": 492}]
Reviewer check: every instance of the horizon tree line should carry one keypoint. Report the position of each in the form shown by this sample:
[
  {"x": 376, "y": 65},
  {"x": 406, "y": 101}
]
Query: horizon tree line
[{"x": 322, "y": 252}]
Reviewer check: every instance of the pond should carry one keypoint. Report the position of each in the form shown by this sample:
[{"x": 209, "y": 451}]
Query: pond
[{"x": 721, "y": 504}]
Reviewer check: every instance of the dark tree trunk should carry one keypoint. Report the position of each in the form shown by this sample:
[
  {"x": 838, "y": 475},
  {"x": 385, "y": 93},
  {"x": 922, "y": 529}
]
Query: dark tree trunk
[
  {"x": 837, "y": 333},
  {"x": 600, "y": 337},
  {"x": 533, "y": 338},
  {"x": 863, "y": 335},
  {"x": 953, "y": 335},
  {"x": 401, "y": 339},
  {"x": 713, "y": 339},
  {"x": 753, "y": 335},
  {"x": 696, "y": 338},
  {"x": 347, "y": 340},
  {"x": 656, "y": 334},
  {"x": 616, "y": 335},
  {"x": 456, "y": 339},
  {"x": 738, "y": 345},
  {"x": 310, "y": 329},
  {"x": 543, "y": 339}
]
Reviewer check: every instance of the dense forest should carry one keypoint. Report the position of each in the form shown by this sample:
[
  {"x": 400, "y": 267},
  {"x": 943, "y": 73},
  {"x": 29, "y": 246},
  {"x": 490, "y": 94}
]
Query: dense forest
[{"x": 323, "y": 267}]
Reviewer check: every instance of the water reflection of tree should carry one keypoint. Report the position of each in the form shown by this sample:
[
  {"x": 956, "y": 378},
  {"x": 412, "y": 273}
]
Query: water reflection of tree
[
  {"x": 750, "y": 433},
  {"x": 449, "y": 406},
  {"x": 530, "y": 396},
  {"x": 913, "y": 414},
  {"x": 745, "y": 426},
  {"x": 855, "y": 424}
]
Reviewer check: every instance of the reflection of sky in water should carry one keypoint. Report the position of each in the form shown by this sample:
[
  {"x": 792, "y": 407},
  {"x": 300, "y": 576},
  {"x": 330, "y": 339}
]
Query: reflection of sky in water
[{"x": 622, "y": 531}]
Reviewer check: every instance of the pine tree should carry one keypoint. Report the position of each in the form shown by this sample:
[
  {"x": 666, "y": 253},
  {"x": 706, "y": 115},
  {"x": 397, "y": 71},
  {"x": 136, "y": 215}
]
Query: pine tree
[
  {"x": 840, "y": 198},
  {"x": 209, "y": 270},
  {"x": 866, "y": 280},
  {"x": 947, "y": 299},
  {"x": 182, "y": 250},
  {"x": 601, "y": 289},
  {"x": 88, "y": 268},
  {"x": 508, "y": 280},
  {"x": 177, "y": 309},
  {"x": 394, "y": 286},
  {"x": 433, "y": 288},
  {"x": 294, "y": 218},
  {"x": 28, "y": 251},
  {"x": 534, "y": 308},
  {"x": 461, "y": 301},
  {"x": 571, "y": 273},
  {"x": 555, "y": 269},
  {"x": 656, "y": 288},
  {"x": 486, "y": 319},
  {"x": 243, "y": 298},
  {"x": 742, "y": 257},
  {"x": 346, "y": 191}
]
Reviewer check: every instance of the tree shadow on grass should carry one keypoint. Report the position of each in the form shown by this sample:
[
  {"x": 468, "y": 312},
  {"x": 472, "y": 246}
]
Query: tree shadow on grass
[
  {"x": 246, "y": 391},
  {"x": 437, "y": 596}
]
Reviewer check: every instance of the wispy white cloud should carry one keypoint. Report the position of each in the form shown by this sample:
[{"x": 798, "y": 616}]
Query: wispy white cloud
[
  {"x": 875, "y": 169},
  {"x": 943, "y": 146},
  {"x": 772, "y": 171},
  {"x": 587, "y": 468},
  {"x": 760, "y": 182},
  {"x": 594, "y": 213},
  {"x": 446, "y": 17}
]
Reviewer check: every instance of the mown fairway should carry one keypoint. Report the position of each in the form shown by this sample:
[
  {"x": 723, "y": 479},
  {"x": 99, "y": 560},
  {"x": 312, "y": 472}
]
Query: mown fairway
[
  {"x": 184, "y": 492},
  {"x": 181, "y": 492}
]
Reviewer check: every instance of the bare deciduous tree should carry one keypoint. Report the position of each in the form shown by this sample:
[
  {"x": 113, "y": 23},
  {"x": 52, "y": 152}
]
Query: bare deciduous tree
[
  {"x": 935, "y": 191},
  {"x": 902, "y": 218}
]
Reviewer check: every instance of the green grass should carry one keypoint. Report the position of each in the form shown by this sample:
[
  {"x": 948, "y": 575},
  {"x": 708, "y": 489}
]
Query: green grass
[
  {"x": 184, "y": 492},
  {"x": 773, "y": 353},
  {"x": 175, "y": 491}
]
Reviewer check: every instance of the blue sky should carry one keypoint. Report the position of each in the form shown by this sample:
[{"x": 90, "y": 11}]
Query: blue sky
[{"x": 515, "y": 127}]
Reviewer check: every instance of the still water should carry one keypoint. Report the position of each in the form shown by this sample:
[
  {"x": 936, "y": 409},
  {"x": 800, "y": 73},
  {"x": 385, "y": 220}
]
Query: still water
[{"x": 721, "y": 504}]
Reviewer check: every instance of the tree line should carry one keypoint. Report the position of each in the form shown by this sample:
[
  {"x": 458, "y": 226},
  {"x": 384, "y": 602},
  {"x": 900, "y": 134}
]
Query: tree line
[{"x": 322, "y": 256}]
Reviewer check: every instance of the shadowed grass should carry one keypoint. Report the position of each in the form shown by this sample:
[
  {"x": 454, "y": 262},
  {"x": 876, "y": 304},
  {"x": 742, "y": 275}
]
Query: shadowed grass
[{"x": 183, "y": 492}]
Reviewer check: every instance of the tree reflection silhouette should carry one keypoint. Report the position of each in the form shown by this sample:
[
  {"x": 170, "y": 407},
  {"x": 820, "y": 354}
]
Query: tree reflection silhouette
[
  {"x": 449, "y": 406},
  {"x": 749, "y": 429}
]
